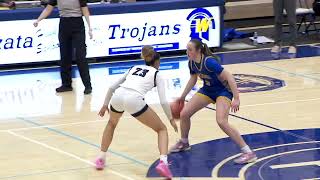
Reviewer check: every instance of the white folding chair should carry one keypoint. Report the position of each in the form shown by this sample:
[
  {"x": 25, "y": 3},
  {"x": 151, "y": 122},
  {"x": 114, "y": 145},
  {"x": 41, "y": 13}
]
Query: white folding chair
[{"x": 306, "y": 15}]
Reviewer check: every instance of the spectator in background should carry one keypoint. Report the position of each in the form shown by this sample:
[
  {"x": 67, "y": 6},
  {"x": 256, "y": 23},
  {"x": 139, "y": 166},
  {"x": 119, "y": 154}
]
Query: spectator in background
[
  {"x": 290, "y": 8},
  {"x": 71, "y": 36}
]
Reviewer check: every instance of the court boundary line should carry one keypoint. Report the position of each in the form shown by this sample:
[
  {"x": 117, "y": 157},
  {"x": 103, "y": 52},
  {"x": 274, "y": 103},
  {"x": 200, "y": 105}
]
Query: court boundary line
[
  {"x": 230, "y": 114},
  {"x": 97, "y": 121},
  {"x": 216, "y": 169},
  {"x": 287, "y": 72},
  {"x": 280, "y": 102},
  {"x": 243, "y": 118},
  {"x": 265, "y": 125},
  {"x": 55, "y": 125},
  {"x": 60, "y": 132},
  {"x": 44, "y": 172},
  {"x": 263, "y": 165},
  {"x": 247, "y": 166},
  {"x": 66, "y": 153},
  {"x": 52, "y": 125}
]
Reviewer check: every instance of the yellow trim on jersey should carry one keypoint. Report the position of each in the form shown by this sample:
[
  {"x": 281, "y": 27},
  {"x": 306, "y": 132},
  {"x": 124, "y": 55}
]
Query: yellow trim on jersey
[
  {"x": 201, "y": 64},
  {"x": 205, "y": 61},
  {"x": 226, "y": 99},
  {"x": 206, "y": 97}
]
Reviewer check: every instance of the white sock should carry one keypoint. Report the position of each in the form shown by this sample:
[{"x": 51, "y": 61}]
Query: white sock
[
  {"x": 103, "y": 155},
  {"x": 164, "y": 159},
  {"x": 185, "y": 140},
  {"x": 246, "y": 149}
]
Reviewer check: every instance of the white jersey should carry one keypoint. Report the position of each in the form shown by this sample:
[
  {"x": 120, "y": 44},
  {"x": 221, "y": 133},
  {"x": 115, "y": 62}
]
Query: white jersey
[{"x": 141, "y": 78}]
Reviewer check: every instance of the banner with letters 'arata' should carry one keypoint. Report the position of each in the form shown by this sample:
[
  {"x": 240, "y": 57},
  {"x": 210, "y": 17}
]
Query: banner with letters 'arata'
[{"x": 116, "y": 34}]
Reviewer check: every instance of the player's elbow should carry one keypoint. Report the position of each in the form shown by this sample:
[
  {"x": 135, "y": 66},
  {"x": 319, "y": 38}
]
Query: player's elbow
[
  {"x": 194, "y": 79},
  {"x": 49, "y": 9},
  {"x": 85, "y": 11}
]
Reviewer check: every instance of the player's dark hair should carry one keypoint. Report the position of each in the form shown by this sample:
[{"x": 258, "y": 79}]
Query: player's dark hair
[
  {"x": 155, "y": 57},
  {"x": 147, "y": 53}
]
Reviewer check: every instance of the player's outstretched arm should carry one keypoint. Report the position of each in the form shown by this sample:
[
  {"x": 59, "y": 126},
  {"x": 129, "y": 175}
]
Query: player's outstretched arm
[
  {"x": 163, "y": 101},
  {"x": 192, "y": 81}
]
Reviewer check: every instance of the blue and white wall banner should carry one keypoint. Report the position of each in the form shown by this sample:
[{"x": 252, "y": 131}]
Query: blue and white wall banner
[
  {"x": 28, "y": 92},
  {"x": 114, "y": 34}
]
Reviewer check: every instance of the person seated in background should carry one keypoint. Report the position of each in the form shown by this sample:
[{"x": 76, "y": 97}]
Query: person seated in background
[{"x": 7, "y": 4}]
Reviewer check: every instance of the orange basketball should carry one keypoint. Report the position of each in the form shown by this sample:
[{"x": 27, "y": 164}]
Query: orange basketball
[{"x": 176, "y": 108}]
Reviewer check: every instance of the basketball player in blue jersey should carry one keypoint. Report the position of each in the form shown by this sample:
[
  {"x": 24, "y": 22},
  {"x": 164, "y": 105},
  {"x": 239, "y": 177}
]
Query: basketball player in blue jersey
[{"x": 219, "y": 86}]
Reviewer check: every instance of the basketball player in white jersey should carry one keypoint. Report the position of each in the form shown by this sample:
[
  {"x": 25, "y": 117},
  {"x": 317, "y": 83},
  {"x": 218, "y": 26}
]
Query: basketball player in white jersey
[{"x": 127, "y": 94}]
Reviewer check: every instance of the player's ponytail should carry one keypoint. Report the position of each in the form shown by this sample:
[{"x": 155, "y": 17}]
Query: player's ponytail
[
  {"x": 204, "y": 49},
  {"x": 207, "y": 52},
  {"x": 155, "y": 57}
]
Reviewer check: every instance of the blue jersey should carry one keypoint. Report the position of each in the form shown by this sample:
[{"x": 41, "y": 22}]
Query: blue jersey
[{"x": 209, "y": 70}]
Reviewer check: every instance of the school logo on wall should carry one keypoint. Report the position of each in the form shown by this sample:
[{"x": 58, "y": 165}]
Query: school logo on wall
[
  {"x": 253, "y": 83},
  {"x": 282, "y": 155},
  {"x": 202, "y": 21}
]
